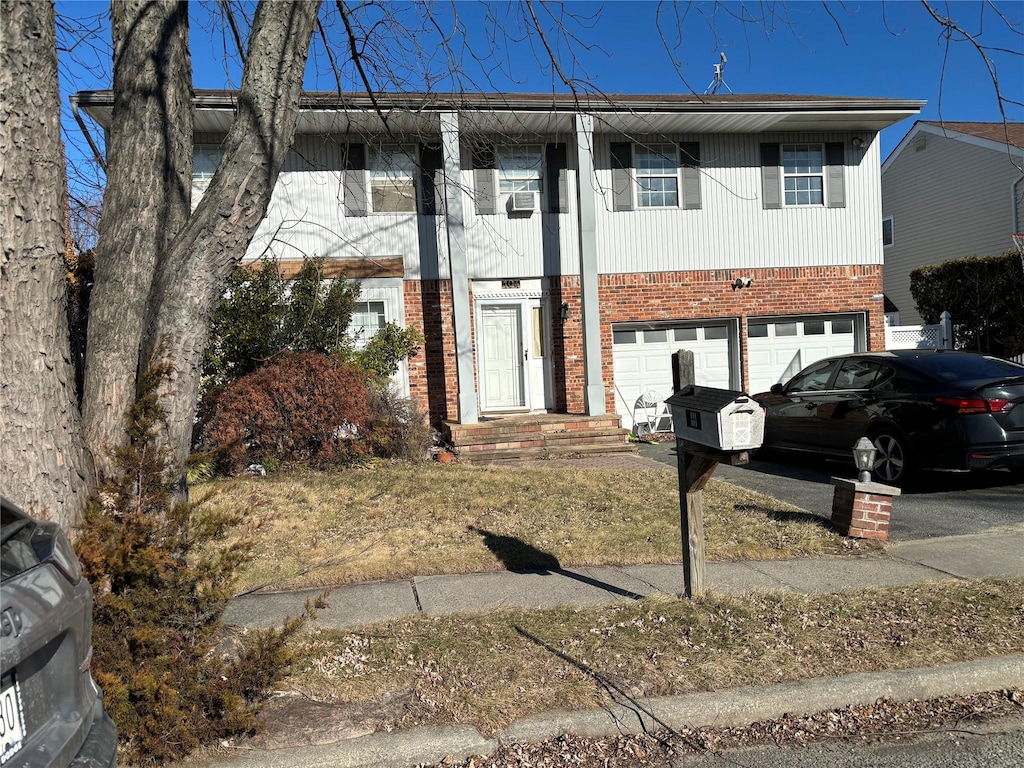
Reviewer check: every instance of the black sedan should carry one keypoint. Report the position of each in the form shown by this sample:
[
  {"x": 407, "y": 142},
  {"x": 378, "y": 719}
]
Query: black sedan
[{"x": 922, "y": 409}]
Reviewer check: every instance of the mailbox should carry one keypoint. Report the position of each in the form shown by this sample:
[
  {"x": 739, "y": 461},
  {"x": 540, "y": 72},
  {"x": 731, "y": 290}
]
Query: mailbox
[{"x": 718, "y": 418}]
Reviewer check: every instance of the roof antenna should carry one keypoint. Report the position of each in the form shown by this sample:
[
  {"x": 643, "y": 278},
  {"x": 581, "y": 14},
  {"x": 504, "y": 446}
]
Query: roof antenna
[{"x": 718, "y": 82}]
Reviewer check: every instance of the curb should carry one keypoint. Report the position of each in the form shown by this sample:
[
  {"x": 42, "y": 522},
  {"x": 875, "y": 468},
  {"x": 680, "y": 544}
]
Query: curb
[{"x": 730, "y": 708}]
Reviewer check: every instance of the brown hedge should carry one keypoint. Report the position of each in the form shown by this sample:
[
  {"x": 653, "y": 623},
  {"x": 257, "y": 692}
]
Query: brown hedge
[{"x": 302, "y": 407}]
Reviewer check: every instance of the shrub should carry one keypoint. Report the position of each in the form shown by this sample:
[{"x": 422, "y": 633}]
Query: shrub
[
  {"x": 387, "y": 348},
  {"x": 984, "y": 296},
  {"x": 263, "y": 315},
  {"x": 300, "y": 407},
  {"x": 161, "y": 575},
  {"x": 400, "y": 429}
]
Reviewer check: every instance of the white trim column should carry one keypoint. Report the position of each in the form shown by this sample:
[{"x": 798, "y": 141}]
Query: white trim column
[
  {"x": 455, "y": 227},
  {"x": 593, "y": 394}
]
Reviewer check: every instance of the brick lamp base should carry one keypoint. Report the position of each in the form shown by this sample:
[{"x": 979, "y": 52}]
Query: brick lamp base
[{"x": 862, "y": 510}]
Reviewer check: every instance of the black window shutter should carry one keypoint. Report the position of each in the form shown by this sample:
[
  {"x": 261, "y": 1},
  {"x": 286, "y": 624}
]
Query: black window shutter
[
  {"x": 771, "y": 176},
  {"x": 356, "y": 179},
  {"x": 431, "y": 180},
  {"x": 484, "y": 179},
  {"x": 689, "y": 160},
  {"x": 622, "y": 176},
  {"x": 556, "y": 174}
]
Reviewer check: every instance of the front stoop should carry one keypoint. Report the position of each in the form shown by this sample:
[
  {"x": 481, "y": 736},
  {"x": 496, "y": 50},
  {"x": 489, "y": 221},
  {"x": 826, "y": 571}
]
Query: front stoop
[{"x": 536, "y": 436}]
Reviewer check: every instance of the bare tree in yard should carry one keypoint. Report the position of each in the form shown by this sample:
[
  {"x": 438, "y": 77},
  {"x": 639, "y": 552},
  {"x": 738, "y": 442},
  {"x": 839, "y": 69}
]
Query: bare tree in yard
[
  {"x": 42, "y": 456},
  {"x": 159, "y": 269}
]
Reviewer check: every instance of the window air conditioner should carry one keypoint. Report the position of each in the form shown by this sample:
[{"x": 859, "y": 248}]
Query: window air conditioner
[{"x": 520, "y": 202}]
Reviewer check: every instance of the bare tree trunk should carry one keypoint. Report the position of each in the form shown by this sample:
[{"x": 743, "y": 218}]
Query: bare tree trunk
[
  {"x": 43, "y": 463},
  {"x": 146, "y": 204},
  {"x": 192, "y": 274}
]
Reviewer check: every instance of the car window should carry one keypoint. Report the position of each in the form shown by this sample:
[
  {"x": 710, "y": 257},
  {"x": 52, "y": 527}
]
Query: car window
[
  {"x": 957, "y": 367},
  {"x": 886, "y": 380},
  {"x": 814, "y": 379},
  {"x": 856, "y": 374}
]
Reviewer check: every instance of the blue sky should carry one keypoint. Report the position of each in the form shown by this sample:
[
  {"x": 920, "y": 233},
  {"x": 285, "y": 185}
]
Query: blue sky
[{"x": 891, "y": 49}]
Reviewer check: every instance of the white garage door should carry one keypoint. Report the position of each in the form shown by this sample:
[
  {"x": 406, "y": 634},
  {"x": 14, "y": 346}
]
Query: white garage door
[
  {"x": 778, "y": 348},
  {"x": 643, "y": 361}
]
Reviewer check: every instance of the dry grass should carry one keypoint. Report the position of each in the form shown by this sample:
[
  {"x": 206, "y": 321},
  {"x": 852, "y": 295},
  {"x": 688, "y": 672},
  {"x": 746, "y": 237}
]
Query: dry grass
[
  {"x": 396, "y": 520},
  {"x": 490, "y": 669}
]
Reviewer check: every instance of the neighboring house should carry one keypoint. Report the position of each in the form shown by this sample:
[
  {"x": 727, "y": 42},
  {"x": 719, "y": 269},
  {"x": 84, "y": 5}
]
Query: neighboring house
[
  {"x": 949, "y": 190},
  {"x": 555, "y": 251}
]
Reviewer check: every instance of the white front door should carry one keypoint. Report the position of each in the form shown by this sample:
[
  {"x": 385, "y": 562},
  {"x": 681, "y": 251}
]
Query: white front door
[{"x": 503, "y": 356}]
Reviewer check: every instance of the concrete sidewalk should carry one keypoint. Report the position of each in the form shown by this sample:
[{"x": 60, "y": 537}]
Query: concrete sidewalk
[
  {"x": 995, "y": 553},
  {"x": 998, "y": 553}
]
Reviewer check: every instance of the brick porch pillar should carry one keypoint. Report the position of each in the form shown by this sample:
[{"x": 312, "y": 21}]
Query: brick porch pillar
[{"x": 862, "y": 510}]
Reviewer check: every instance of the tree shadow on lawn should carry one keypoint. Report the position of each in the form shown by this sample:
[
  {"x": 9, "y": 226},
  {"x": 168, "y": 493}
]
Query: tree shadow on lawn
[{"x": 520, "y": 557}]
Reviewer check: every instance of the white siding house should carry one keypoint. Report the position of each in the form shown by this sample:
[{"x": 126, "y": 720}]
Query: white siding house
[{"x": 555, "y": 252}]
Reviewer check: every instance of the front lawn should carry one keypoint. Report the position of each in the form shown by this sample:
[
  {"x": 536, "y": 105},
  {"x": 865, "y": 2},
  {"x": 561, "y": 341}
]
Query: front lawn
[
  {"x": 395, "y": 520},
  {"x": 490, "y": 669}
]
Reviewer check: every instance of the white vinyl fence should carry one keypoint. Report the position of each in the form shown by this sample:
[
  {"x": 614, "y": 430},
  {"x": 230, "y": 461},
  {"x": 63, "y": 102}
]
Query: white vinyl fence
[{"x": 938, "y": 336}]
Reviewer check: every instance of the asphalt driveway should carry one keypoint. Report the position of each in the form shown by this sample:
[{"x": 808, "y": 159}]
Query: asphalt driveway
[{"x": 934, "y": 505}]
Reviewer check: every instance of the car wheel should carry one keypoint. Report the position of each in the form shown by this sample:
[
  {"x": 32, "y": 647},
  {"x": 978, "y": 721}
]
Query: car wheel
[{"x": 891, "y": 463}]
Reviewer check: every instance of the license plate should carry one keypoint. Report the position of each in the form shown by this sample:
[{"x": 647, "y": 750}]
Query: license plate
[{"x": 12, "y": 719}]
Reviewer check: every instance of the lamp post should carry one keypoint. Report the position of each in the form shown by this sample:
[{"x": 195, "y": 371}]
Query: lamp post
[{"x": 864, "y": 458}]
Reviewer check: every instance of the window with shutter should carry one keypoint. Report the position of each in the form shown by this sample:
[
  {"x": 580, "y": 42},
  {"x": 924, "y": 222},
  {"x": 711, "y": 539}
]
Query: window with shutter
[{"x": 392, "y": 179}]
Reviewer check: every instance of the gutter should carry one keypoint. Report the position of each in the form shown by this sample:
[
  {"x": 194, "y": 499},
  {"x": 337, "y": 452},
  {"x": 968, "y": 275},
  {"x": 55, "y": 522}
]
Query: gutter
[{"x": 88, "y": 136}]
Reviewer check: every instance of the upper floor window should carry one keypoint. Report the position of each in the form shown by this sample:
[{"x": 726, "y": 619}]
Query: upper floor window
[
  {"x": 519, "y": 169},
  {"x": 657, "y": 176},
  {"x": 803, "y": 173},
  {"x": 887, "y": 232},
  {"x": 392, "y": 180}
]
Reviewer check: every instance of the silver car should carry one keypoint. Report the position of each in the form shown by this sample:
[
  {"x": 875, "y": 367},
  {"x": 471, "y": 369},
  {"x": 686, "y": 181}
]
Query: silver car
[{"x": 51, "y": 711}]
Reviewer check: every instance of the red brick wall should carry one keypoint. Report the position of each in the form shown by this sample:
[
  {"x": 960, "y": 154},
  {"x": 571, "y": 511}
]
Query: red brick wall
[
  {"x": 433, "y": 375},
  {"x": 695, "y": 295},
  {"x": 708, "y": 294}
]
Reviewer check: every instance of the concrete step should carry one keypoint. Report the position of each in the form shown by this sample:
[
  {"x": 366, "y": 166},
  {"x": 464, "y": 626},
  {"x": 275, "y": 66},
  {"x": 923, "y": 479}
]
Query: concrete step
[
  {"x": 513, "y": 454},
  {"x": 498, "y": 429},
  {"x": 474, "y": 442}
]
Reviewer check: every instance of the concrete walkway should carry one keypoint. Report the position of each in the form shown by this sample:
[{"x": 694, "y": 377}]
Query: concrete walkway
[{"x": 995, "y": 553}]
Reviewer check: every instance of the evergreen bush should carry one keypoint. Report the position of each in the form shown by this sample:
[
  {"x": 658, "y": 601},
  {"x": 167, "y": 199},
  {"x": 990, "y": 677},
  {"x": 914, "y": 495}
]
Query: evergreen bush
[
  {"x": 984, "y": 296},
  {"x": 263, "y": 315},
  {"x": 162, "y": 573}
]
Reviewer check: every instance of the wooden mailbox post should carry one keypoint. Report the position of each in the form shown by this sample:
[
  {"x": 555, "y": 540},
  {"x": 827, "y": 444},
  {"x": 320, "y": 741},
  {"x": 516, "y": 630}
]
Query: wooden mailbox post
[{"x": 712, "y": 426}]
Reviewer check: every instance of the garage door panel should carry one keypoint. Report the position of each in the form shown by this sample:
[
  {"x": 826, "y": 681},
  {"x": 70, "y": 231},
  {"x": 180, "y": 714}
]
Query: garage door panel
[
  {"x": 774, "y": 359},
  {"x": 641, "y": 368}
]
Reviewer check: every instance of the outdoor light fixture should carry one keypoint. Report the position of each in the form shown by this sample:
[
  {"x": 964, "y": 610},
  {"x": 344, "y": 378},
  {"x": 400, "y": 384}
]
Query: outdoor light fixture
[
  {"x": 742, "y": 282},
  {"x": 858, "y": 142},
  {"x": 864, "y": 458},
  {"x": 565, "y": 310}
]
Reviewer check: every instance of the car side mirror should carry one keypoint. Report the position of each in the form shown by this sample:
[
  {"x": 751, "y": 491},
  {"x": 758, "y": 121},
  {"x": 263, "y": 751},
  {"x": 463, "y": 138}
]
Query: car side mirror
[{"x": 776, "y": 389}]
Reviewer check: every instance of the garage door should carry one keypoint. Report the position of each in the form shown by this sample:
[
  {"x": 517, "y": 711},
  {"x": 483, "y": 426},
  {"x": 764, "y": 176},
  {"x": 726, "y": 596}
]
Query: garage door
[
  {"x": 643, "y": 361},
  {"x": 778, "y": 348}
]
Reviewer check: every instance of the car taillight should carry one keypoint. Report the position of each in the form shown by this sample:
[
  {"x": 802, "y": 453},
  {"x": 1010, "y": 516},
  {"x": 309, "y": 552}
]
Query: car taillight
[{"x": 976, "y": 404}]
